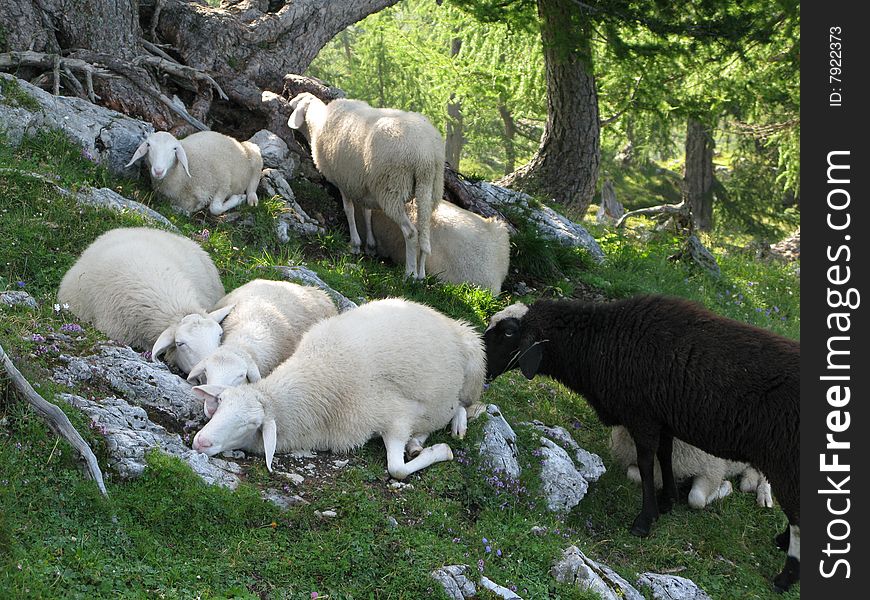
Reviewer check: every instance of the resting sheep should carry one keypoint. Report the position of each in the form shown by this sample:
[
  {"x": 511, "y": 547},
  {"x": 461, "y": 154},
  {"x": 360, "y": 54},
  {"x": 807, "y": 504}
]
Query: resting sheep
[
  {"x": 263, "y": 329},
  {"x": 379, "y": 158},
  {"x": 206, "y": 168},
  {"x": 664, "y": 368},
  {"x": 465, "y": 246},
  {"x": 392, "y": 368},
  {"x": 150, "y": 289},
  {"x": 709, "y": 473}
]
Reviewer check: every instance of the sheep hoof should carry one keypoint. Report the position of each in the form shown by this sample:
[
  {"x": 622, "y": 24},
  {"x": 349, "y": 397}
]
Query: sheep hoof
[
  {"x": 641, "y": 526},
  {"x": 371, "y": 250},
  {"x": 355, "y": 250},
  {"x": 789, "y": 575}
]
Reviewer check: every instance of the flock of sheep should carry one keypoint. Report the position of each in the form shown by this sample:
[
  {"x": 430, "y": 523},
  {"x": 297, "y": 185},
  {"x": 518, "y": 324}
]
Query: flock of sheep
[{"x": 277, "y": 368}]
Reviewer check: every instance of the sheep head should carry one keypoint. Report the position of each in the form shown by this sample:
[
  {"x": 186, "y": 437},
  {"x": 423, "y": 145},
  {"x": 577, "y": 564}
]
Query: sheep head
[
  {"x": 163, "y": 149},
  {"x": 225, "y": 367},
  {"x": 511, "y": 343},
  {"x": 300, "y": 105},
  {"x": 194, "y": 337},
  {"x": 238, "y": 421}
]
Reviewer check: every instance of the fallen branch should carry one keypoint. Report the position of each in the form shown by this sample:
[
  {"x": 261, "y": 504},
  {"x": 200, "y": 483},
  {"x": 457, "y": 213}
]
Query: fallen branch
[
  {"x": 55, "y": 417},
  {"x": 177, "y": 69},
  {"x": 55, "y": 62},
  {"x": 682, "y": 209}
]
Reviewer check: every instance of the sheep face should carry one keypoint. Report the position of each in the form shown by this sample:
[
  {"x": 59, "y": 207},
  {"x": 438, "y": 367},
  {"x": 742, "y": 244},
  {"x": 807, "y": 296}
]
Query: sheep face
[
  {"x": 193, "y": 338},
  {"x": 163, "y": 151},
  {"x": 225, "y": 368},
  {"x": 300, "y": 105},
  {"x": 238, "y": 421},
  {"x": 510, "y": 344}
]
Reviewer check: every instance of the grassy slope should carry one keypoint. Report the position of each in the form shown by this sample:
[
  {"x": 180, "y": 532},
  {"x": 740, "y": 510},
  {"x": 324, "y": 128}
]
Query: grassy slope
[{"x": 168, "y": 535}]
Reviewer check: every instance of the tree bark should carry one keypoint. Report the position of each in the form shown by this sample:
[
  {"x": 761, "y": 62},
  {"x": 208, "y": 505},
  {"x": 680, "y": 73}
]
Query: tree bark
[
  {"x": 245, "y": 46},
  {"x": 453, "y": 147},
  {"x": 565, "y": 167},
  {"x": 698, "y": 178}
]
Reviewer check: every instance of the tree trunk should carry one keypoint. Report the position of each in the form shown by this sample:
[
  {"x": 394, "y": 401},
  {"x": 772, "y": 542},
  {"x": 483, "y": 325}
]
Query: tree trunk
[
  {"x": 453, "y": 148},
  {"x": 158, "y": 49},
  {"x": 698, "y": 178},
  {"x": 510, "y": 131},
  {"x": 565, "y": 166}
]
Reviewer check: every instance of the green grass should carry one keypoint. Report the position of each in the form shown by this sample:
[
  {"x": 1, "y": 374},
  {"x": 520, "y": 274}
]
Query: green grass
[{"x": 168, "y": 535}]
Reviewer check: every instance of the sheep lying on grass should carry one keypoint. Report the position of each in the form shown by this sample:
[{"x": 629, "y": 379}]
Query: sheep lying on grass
[
  {"x": 665, "y": 368},
  {"x": 379, "y": 158},
  {"x": 465, "y": 246},
  {"x": 263, "y": 329},
  {"x": 709, "y": 473},
  {"x": 392, "y": 368},
  {"x": 150, "y": 289},
  {"x": 204, "y": 169}
]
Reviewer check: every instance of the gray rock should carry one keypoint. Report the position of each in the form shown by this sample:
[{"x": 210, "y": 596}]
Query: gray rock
[
  {"x": 281, "y": 500},
  {"x": 457, "y": 585},
  {"x": 130, "y": 435},
  {"x": 498, "y": 450},
  {"x": 105, "y": 136},
  {"x": 590, "y": 465},
  {"x": 276, "y": 154},
  {"x": 150, "y": 384},
  {"x": 392, "y": 523},
  {"x": 672, "y": 587},
  {"x": 106, "y": 198},
  {"x": 576, "y": 568},
  {"x": 549, "y": 223},
  {"x": 308, "y": 277},
  {"x": 498, "y": 590},
  {"x": 292, "y": 216},
  {"x": 562, "y": 483},
  {"x": 17, "y": 298}
]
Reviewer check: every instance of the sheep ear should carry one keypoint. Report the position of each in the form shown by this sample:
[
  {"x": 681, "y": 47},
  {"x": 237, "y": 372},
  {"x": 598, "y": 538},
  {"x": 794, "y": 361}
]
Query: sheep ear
[
  {"x": 221, "y": 313},
  {"x": 297, "y": 117},
  {"x": 141, "y": 151},
  {"x": 181, "y": 155},
  {"x": 530, "y": 358},
  {"x": 197, "y": 370},
  {"x": 253, "y": 372},
  {"x": 270, "y": 441},
  {"x": 166, "y": 340},
  {"x": 210, "y": 395}
]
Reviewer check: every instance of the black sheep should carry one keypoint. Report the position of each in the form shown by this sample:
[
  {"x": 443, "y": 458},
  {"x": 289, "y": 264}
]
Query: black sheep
[{"x": 664, "y": 368}]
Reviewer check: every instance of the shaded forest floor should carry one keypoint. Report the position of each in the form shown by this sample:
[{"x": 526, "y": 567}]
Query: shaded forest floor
[{"x": 168, "y": 535}]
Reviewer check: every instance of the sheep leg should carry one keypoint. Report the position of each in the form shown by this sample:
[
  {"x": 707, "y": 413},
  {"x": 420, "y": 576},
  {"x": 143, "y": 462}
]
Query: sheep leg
[
  {"x": 669, "y": 485},
  {"x": 459, "y": 424},
  {"x": 395, "y": 210},
  {"x": 251, "y": 191},
  {"x": 649, "y": 508},
  {"x": 399, "y": 469},
  {"x": 791, "y": 572},
  {"x": 415, "y": 445},
  {"x": 371, "y": 245},
  {"x": 355, "y": 241},
  {"x": 221, "y": 204}
]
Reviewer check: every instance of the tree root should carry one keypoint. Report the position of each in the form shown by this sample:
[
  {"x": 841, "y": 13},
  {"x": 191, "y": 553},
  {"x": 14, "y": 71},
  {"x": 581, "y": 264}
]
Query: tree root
[
  {"x": 55, "y": 417},
  {"x": 680, "y": 210}
]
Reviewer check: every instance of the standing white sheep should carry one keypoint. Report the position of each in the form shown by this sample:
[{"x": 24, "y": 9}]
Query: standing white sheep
[
  {"x": 379, "y": 158},
  {"x": 150, "y": 289},
  {"x": 262, "y": 330},
  {"x": 391, "y": 368},
  {"x": 204, "y": 169},
  {"x": 709, "y": 473},
  {"x": 465, "y": 246}
]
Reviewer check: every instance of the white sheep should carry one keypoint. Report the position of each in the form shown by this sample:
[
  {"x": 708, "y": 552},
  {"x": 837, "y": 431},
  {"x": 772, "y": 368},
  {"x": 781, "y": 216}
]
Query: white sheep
[
  {"x": 392, "y": 368},
  {"x": 379, "y": 158},
  {"x": 215, "y": 170},
  {"x": 150, "y": 289},
  {"x": 262, "y": 330},
  {"x": 709, "y": 473},
  {"x": 465, "y": 246}
]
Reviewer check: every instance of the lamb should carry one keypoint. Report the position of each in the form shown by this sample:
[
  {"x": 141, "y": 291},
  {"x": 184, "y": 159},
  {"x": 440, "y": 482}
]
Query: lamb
[
  {"x": 709, "y": 473},
  {"x": 148, "y": 288},
  {"x": 216, "y": 170},
  {"x": 262, "y": 330},
  {"x": 392, "y": 368},
  {"x": 665, "y": 368},
  {"x": 379, "y": 158},
  {"x": 465, "y": 246}
]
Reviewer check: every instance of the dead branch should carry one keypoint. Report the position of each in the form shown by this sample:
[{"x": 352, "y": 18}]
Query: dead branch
[
  {"x": 28, "y": 58},
  {"x": 296, "y": 84},
  {"x": 457, "y": 192},
  {"x": 178, "y": 70},
  {"x": 55, "y": 417},
  {"x": 682, "y": 209}
]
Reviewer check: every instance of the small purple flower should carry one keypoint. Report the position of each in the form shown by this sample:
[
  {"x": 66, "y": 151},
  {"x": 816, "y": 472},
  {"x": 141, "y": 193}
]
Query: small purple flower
[
  {"x": 314, "y": 595},
  {"x": 36, "y": 338},
  {"x": 485, "y": 541},
  {"x": 488, "y": 549},
  {"x": 498, "y": 552},
  {"x": 71, "y": 327},
  {"x": 480, "y": 565},
  {"x": 21, "y": 283},
  {"x": 456, "y": 540}
]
